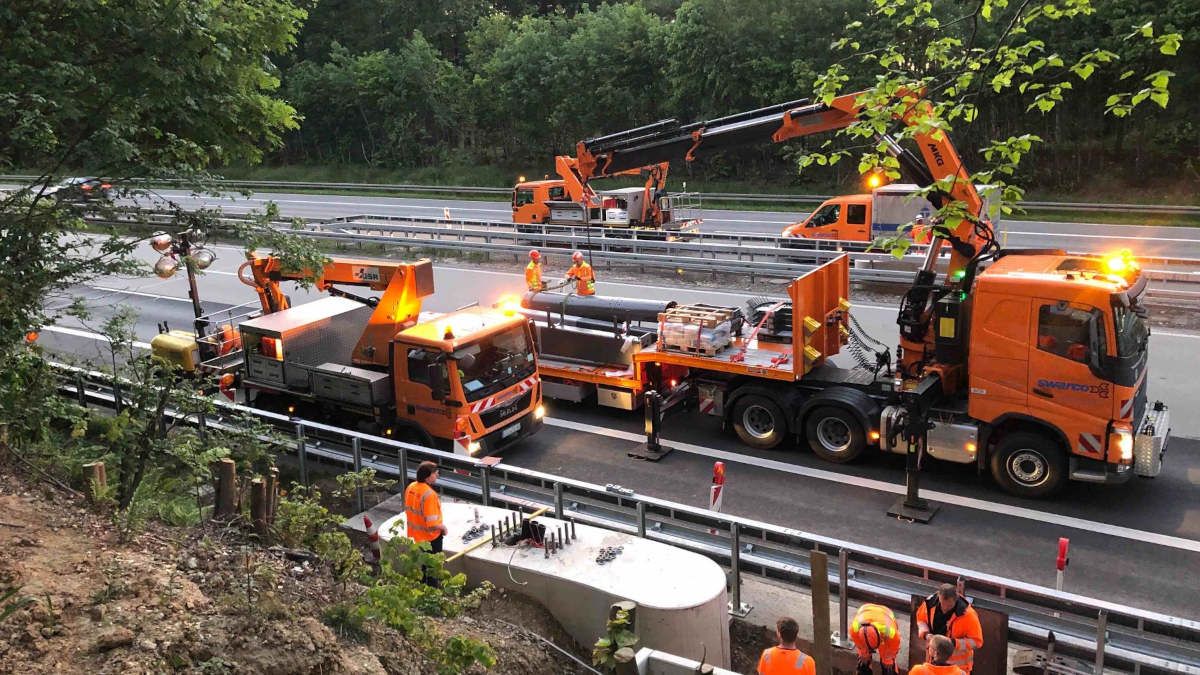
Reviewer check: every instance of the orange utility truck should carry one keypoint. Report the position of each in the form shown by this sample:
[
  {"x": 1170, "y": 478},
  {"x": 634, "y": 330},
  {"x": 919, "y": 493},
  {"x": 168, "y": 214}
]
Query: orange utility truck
[
  {"x": 569, "y": 200},
  {"x": 1029, "y": 364},
  {"x": 464, "y": 381}
]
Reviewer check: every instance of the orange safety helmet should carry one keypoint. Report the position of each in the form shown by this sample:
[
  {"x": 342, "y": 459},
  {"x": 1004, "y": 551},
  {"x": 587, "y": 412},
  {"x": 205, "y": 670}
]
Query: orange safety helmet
[
  {"x": 534, "y": 255},
  {"x": 577, "y": 257}
]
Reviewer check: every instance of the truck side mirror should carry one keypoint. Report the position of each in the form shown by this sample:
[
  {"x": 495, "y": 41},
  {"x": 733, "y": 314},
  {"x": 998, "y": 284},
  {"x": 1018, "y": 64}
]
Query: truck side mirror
[{"x": 437, "y": 381}]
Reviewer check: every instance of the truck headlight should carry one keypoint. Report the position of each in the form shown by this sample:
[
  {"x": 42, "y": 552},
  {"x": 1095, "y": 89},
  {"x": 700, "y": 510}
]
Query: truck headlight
[
  {"x": 473, "y": 447},
  {"x": 1122, "y": 441},
  {"x": 539, "y": 412}
]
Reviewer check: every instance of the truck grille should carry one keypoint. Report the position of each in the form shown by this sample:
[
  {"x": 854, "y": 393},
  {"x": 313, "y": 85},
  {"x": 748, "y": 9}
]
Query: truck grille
[{"x": 502, "y": 412}]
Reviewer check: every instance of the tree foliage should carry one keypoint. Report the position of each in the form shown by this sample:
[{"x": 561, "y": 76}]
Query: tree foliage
[{"x": 532, "y": 78}]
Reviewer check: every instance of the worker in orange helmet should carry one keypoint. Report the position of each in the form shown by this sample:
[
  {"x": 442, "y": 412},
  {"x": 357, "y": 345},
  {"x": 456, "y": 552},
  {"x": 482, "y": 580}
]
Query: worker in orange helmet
[
  {"x": 874, "y": 630},
  {"x": 938, "y": 651},
  {"x": 948, "y": 613},
  {"x": 582, "y": 273},
  {"x": 786, "y": 659},
  {"x": 533, "y": 272}
]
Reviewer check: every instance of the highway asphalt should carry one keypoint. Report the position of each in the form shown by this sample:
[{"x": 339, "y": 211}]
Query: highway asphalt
[
  {"x": 1177, "y": 242},
  {"x": 1138, "y": 543}
]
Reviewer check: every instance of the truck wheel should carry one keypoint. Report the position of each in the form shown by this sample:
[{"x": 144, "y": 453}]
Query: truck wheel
[
  {"x": 1029, "y": 465},
  {"x": 759, "y": 421},
  {"x": 834, "y": 434}
]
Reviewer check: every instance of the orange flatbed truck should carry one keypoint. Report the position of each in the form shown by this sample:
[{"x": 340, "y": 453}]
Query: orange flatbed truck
[
  {"x": 464, "y": 381},
  {"x": 1029, "y": 364}
]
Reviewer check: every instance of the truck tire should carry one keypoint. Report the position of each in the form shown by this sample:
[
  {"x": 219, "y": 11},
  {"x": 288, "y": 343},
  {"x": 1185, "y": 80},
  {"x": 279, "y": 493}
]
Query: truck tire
[
  {"x": 1029, "y": 465},
  {"x": 759, "y": 421},
  {"x": 835, "y": 434}
]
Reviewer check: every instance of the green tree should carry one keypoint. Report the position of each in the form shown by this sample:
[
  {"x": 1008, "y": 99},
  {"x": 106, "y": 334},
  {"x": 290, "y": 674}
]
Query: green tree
[{"x": 122, "y": 89}]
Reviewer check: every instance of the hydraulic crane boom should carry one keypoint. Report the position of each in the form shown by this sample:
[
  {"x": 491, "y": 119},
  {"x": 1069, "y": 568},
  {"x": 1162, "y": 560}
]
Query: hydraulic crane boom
[
  {"x": 970, "y": 239},
  {"x": 403, "y": 286}
]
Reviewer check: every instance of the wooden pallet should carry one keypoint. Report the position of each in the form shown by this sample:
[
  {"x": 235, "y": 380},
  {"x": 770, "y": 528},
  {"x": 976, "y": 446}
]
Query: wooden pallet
[
  {"x": 707, "y": 316},
  {"x": 687, "y": 349}
]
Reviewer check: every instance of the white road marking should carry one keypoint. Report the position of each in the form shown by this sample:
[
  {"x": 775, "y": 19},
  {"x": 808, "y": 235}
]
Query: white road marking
[
  {"x": 126, "y": 291},
  {"x": 376, "y": 204},
  {"x": 1118, "y": 531},
  {"x": 89, "y": 335},
  {"x": 1074, "y": 235}
]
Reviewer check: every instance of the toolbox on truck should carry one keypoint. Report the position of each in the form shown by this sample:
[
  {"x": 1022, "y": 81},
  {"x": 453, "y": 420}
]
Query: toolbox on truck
[
  {"x": 284, "y": 348},
  {"x": 348, "y": 384}
]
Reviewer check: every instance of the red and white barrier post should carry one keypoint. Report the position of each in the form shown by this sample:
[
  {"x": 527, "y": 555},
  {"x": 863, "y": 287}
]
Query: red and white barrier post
[
  {"x": 716, "y": 493},
  {"x": 1064, "y": 546},
  {"x": 373, "y": 550}
]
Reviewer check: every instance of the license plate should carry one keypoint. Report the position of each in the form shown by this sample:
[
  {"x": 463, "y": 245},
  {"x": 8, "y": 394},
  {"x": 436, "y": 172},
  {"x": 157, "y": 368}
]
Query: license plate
[{"x": 510, "y": 431}]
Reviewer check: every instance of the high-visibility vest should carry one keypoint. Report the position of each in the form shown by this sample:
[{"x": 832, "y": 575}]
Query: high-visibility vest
[
  {"x": 962, "y": 626},
  {"x": 889, "y": 633},
  {"x": 931, "y": 669},
  {"x": 585, "y": 278},
  {"x": 533, "y": 276},
  {"x": 781, "y": 661},
  {"x": 423, "y": 511}
]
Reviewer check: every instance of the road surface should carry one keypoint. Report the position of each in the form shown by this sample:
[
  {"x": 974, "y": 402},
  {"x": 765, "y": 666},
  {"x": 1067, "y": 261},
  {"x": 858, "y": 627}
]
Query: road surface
[{"x": 1138, "y": 543}]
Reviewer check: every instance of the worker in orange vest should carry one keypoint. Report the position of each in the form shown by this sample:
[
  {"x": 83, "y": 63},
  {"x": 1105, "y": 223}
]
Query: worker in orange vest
[
  {"x": 948, "y": 613},
  {"x": 533, "y": 272},
  {"x": 582, "y": 273},
  {"x": 938, "y": 651},
  {"x": 874, "y": 630},
  {"x": 423, "y": 509},
  {"x": 786, "y": 659}
]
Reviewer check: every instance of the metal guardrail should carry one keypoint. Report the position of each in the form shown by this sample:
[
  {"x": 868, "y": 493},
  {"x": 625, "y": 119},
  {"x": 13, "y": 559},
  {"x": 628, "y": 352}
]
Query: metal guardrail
[
  {"x": 1174, "y": 209},
  {"x": 1083, "y": 626}
]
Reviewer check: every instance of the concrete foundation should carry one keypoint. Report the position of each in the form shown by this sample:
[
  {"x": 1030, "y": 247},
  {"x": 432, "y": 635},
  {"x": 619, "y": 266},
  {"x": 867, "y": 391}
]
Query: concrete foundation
[{"x": 681, "y": 596}]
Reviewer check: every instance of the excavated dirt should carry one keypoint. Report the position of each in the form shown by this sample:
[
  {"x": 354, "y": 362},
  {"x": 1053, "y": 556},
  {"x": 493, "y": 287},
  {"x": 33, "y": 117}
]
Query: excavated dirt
[{"x": 175, "y": 600}]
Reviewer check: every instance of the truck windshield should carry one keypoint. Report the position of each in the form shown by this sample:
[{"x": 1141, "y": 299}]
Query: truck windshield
[
  {"x": 522, "y": 197},
  {"x": 494, "y": 363},
  {"x": 826, "y": 215},
  {"x": 1132, "y": 334}
]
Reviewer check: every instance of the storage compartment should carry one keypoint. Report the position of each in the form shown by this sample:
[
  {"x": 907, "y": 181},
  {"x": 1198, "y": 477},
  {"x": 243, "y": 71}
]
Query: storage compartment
[
  {"x": 612, "y": 397},
  {"x": 282, "y": 349},
  {"x": 574, "y": 392},
  {"x": 348, "y": 384}
]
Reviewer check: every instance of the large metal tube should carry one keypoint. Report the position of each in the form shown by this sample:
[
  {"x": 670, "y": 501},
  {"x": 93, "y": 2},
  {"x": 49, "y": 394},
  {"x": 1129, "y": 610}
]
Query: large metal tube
[{"x": 594, "y": 307}]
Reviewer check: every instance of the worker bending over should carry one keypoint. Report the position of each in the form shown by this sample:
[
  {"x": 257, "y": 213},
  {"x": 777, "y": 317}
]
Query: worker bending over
[
  {"x": 938, "y": 650},
  {"x": 786, "y": 659},
  {"x": 874, "y": 630},
  {"x": 533, "y": 272},
  {"x": 948, "y": 613},
  {"x": 582, "y": 273}
]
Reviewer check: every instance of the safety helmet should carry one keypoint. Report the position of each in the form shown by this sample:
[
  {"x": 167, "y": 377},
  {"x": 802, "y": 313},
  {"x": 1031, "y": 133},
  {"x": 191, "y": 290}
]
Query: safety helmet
[
  {"x": 534, "y": 255},
  {"x": 870, "y": 636},
  {"x": 577, "y": 256}
]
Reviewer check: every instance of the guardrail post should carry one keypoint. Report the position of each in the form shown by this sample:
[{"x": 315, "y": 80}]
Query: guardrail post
[
  {"x": 485, "y": 478},
  {"x": 819, "y": 583},
  {"x": 736, "y": 606},
  {"x": 81, "y": 389},
  {"x": 558, "y": 501},
  {"x": 356, "y": 449},
  {"x": 402, "y": 465},
  {"x": 202, "y": 425},
  {"x": 641, "y": 519},
  {"x": 302, "y": 454},
  {"x": 842, "y": 636},
  {"x": 1101, "y": 639}
]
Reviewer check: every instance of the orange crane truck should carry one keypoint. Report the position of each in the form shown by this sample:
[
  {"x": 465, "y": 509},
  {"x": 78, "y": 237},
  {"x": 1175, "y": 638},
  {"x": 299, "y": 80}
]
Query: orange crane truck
[
  {"x": 569, "y": 200},
  {"x": 1030, "y": 364},
  {"x": 464, "y": 381}
]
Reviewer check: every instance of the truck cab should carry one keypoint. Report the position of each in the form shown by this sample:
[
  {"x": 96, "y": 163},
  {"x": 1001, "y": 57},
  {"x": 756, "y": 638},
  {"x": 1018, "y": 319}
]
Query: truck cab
[
  {"x": 529, "y": 199},
  {"x": 1058, "y": 370}
]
